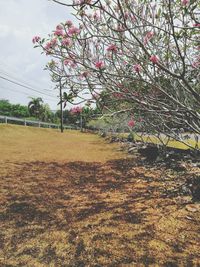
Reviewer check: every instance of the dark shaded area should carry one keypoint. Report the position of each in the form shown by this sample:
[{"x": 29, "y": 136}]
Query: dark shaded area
[
  {"x": 48, "y": 255},
  {"x": 150, "y": 152},
  {"x": 194, "y": 185},
  {"x": 134, "y": 218},
  {"x": 97, "y": 206},
  {"x": 23, "y": 213}
]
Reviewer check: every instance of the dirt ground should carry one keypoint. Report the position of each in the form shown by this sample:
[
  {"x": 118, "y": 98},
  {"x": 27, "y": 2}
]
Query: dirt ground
[{"x": 102, "y": 209}]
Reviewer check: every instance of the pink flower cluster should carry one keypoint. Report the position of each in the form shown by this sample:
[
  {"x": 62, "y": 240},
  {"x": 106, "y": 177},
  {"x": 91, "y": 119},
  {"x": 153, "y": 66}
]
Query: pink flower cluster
[
  {"x": 112, "y": 48},
  {"x": 50, "y": 45},
  {"x": 73, "y": 31},
  {"x": 99, "y": 65},
  {"x": 131, "y": 123},
  {"x": 66, "y": 42},
  {"x": 137, "y": 68},
  {"x": 76, "y": 110},
  {"x": 196, "y": 25},
  {"x": 70, "y": 62},
  {"x": 96, "y": 16},
  {"x": 196, "y": 64},
  {"x": 36, "y": 39},
  {"x": 154, "y": 59},
  {"x": 185, "y": 2},
  {"x": 68, "y": 23},
  {"x": 59, "y": 31}
]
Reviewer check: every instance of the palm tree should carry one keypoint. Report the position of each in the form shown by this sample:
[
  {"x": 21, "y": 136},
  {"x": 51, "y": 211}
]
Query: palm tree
[{"x": 35, "y": 107}]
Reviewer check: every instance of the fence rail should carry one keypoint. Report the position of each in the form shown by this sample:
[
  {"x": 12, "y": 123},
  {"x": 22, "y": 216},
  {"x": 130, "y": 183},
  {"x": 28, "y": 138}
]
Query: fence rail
[{"x": 25, "y": 122}]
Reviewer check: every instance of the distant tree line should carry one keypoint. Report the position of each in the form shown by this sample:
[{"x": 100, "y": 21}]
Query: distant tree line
[
  {"x": 15, "y": 110},
  {"x": 38, "y": 110}
]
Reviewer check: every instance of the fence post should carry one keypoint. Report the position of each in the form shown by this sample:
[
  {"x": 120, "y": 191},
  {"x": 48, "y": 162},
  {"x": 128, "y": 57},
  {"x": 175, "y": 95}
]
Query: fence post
[
  {"x": 6, "y": 120},
  {"x": 39, "y": 124},
  {"x": 24, "y": 122}
]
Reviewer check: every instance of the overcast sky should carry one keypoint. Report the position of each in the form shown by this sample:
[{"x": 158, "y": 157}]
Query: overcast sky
[{"x": 20, "y": 20}]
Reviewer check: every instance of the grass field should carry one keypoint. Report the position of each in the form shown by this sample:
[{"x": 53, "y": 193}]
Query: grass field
[
  {"x": 169, "y": 142},
  {"x": 19, "y": 143},
  {"x": 73, "y": 200}
]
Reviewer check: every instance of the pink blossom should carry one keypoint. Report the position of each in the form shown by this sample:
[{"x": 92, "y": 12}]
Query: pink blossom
[
  {"x": 154, "y": 59},
  {"x": 131, "y": 123},
  {"x": 59, "y": 32},
  {"x": 185, "y": 2},
  {"x": 149, "y": 35},
  {"x": 96, "y": 16},
  {"x": 76, "y": 110},
  {"x": 50, "y": 45},
  {"x": 69, "y": 23},
  {"x": 53, "y": 42},
  {"x": 196, "y": 25},
  {"x": 66, "y": 61},
  {"x": 36, "y": 39},
  {"x": 112, "y": 48},
  {"x": 99, "y": 65},
  {"x": 195, "y": 64},
  {"x": 73, "y": 30},
  {"x": 59, "y": 27},
  {"x": 137, "y": 68},
  {"x": 47, "y": 46},
  {"x": 66, "y": 42}
]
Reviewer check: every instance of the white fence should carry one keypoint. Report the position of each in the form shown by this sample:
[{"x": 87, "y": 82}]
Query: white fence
[{"x": 25, "y": 122}]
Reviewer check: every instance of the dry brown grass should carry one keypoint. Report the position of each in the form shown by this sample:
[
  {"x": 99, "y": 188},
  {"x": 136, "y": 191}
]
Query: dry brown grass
[
  {"x": 65, "y": 211},
  {"x": 19, "y": 143}
]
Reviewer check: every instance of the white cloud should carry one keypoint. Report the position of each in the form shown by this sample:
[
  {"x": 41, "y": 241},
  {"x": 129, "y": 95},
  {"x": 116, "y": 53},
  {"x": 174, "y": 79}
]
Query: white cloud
[{"x": 4, "y": 31}]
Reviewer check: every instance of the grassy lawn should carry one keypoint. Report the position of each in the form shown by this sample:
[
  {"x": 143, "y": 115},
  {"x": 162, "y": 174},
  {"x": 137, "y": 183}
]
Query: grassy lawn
[
  {"x": 165, "y": 141},
  {"x": 168, "y": 142},
  {"x": 19, "y": 143},
  {"x": 73, "y": 200}
]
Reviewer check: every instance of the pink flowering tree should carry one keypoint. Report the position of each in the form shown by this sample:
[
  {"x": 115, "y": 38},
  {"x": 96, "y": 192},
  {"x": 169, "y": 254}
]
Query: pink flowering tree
[{"x": 143, "y": 55}]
